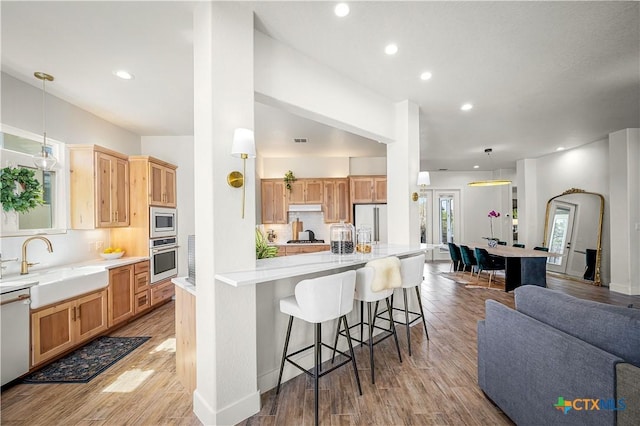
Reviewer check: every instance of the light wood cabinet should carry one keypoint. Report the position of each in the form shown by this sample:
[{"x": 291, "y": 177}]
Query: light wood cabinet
[
  {"x": 58, "y": 328},
  {"x": 162, "y": 184},
  {"x": 274, "y": 201},
  {"x": 141, "y": 290},
  {"x": 142, "y": 169},
  {"x": 368, "y": 189},
  {"x": 99, "y": 187},
  {"x": 161, "y": 292},
  {"x": 186, "y": 355},
  {"x": 121, "y": 294},
  {"x": 306, "y": 191},
  {"x": 336, "y": 205}
]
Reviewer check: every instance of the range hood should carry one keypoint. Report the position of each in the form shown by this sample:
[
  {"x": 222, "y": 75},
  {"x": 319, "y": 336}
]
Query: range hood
[{"x": 305, "y": 208}]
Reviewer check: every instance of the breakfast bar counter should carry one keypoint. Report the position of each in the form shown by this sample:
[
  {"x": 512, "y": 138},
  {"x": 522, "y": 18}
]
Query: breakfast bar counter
[
  {"x": 276, "y": 278},
  {"x": 276, "y": 268}
]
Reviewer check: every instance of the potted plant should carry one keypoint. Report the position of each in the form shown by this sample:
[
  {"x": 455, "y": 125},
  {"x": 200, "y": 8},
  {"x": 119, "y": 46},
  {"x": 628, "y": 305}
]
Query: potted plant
[
  {"x": 263, "y": 249},
  {"x": 289, "y": 178}
]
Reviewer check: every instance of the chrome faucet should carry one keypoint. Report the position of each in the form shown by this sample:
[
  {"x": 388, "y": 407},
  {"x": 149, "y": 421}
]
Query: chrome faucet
[{"x": 24, "y": 267}]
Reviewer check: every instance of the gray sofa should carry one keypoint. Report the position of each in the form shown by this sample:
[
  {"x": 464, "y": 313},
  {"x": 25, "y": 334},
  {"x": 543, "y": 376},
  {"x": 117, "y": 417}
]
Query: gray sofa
[{"x": 558, "y": 350}]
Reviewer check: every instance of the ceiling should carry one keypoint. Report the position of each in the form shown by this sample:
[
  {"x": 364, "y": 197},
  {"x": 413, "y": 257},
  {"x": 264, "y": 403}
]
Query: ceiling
[{"x": 539, "y": 74}]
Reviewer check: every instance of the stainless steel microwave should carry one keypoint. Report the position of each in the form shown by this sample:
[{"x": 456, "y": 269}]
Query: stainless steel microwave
[{"x": 163, "y": 222}]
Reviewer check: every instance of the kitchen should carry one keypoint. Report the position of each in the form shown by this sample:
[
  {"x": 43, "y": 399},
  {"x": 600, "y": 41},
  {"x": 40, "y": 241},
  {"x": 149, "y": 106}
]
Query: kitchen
[{"x": 212, "y": 163}]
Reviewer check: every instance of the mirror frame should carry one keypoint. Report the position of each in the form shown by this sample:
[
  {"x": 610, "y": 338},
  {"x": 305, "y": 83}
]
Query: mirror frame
[{"x": 596, "y": 279}]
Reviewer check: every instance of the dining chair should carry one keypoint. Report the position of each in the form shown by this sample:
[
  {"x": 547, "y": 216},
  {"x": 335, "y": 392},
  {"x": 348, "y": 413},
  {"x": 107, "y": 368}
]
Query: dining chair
[
  {"x": 541, "y": 248},
  {"x": 456, "y": 257},
  {"x": 502, "y": 243},
  {"x": 518, "y": 245},
  {"x": 468, "y": 259},
  {"x": 489, "y": 263}
]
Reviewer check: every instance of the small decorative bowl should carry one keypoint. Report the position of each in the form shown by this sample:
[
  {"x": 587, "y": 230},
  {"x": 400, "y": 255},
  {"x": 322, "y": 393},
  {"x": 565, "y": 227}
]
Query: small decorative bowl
[{"x": 111, "y": 256}]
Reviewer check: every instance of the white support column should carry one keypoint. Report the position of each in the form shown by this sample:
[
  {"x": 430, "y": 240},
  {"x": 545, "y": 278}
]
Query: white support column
[
  {"x": 624, "y": 208},
  {"x": 403, "y": 165},
  {"x": 226, "y": 390},
  {"x": 528, "y": 231}
]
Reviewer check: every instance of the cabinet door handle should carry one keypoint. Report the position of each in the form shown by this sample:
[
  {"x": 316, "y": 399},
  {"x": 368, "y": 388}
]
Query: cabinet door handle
[{"x": 74, "y": 313}]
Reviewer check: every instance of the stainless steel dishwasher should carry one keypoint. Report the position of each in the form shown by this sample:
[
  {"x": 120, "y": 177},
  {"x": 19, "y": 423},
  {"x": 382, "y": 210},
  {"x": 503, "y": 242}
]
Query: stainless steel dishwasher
[{"x": 14, "y": 320}]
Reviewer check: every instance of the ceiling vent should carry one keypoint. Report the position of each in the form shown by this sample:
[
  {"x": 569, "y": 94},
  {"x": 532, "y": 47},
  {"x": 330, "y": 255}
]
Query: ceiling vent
[{"x": 300, "y": 140}]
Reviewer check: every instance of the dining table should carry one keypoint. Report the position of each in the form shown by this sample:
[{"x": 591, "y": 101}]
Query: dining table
[{"x": 523, "y": 266}]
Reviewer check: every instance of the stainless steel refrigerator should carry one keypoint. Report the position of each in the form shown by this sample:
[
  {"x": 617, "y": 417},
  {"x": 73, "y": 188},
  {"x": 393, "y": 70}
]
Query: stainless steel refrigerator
[{"x": 375, "y": 217}]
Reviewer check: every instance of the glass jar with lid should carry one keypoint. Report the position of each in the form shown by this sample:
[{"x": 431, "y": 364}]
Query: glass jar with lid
[
  {"x": 342, "y": 238},
  {"x": 363, "y": 240}
]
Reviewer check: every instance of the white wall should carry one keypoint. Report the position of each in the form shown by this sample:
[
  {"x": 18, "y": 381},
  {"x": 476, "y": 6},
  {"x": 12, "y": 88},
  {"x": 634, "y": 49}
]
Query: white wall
[
  {"x": 476, "y": 203},
  {"x": 313, "y": 167},
  {"x": 178, "y": 150},
  {"x": 368, "y": 166},
  {"x": 22, "y": 108},
  {"x": 283, "y": 77},
  {"x": 587, "y": 168}
]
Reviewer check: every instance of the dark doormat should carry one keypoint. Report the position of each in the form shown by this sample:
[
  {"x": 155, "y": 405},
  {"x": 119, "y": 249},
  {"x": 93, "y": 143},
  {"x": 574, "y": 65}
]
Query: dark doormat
[{"x": 87, "y": 362}]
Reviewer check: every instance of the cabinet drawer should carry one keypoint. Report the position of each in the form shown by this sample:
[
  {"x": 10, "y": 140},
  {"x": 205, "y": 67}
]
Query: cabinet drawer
[
  {"x": 161, "y": 292},
  {"x": 141, "y": 267},
  {"x": 142, "y": 302},
  {"x": 141, "y": 282}
]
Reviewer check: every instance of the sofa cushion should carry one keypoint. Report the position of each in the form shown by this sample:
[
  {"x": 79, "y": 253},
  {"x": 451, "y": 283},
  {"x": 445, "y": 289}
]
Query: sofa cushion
[
  {"x": 524, "y": 366},
  {"x": 615, "y": 329}
]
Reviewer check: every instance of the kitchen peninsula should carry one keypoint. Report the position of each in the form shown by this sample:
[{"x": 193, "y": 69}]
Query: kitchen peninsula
[{"x": 276, "y": 278}]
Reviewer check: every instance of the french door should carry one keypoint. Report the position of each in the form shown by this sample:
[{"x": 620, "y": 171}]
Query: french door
[{"x": 440, "y": 220}]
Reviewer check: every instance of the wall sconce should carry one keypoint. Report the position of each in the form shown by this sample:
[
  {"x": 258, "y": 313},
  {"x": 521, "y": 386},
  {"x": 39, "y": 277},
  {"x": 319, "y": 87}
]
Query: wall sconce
[
  {"x": 423, "y": 180},
  {"x": 243, "y": 147}
]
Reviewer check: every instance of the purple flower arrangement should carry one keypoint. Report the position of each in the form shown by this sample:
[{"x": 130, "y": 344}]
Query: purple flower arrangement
[{"x": 491, "y": 215}]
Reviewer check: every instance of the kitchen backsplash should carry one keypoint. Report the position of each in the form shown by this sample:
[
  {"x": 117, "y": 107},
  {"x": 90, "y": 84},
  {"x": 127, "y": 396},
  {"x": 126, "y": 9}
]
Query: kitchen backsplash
[{"x": 313, "y": 221}]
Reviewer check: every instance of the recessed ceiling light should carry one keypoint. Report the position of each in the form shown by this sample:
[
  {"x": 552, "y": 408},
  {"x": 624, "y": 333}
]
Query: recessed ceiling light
[
  {"x": 476, "y": 167},
  {"x": 560, "y": 148},
  {"x": 425, "y": 75},
  {"x": 391, "y": 49},
  {"x": 341, "y": 10},
  {"x": 125, "y": 75},
  {"x": 466, "y": 107}
]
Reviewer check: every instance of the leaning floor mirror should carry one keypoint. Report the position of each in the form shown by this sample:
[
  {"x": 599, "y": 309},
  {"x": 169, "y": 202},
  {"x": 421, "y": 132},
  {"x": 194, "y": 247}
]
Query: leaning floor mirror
[{"x": 573, "y": 228}]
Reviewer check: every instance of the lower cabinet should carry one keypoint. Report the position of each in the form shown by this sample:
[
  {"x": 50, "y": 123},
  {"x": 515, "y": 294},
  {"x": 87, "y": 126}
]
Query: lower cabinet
[
  {"x": 162, "y": 291},
  {"x": 121, "y": 294},
  {"x": 59, "y": 327},
  {"x": 142, "y": 298}
]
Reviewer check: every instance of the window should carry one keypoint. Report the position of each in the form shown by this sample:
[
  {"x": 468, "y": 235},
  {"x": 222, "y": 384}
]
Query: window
[{"x": 16, "y": 150}]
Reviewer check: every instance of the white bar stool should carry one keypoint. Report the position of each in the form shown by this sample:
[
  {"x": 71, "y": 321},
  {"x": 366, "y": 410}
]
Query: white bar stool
[
  {"x": 364, "y": 293},
  {"x": 315, "y": 301},
  {"x": 412, "y": 269}
]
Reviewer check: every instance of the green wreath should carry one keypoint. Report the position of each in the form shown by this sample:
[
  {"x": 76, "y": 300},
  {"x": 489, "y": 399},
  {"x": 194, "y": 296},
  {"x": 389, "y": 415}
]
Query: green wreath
[{"x": 22, "y": 201}]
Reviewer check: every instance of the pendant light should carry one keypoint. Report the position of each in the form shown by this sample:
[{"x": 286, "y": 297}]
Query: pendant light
[
  {"x": 490, "y": 182},
  {"x": 44, "y": 160}
]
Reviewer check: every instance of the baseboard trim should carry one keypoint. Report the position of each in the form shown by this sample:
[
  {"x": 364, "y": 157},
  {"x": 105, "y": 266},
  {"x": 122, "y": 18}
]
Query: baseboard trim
[
  {"x": 622, "y": 288},
  {"x": 231, "y": 414}
]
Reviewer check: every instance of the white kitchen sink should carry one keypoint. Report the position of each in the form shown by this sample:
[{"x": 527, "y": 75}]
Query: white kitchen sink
[{"x": 58, "y": 284}]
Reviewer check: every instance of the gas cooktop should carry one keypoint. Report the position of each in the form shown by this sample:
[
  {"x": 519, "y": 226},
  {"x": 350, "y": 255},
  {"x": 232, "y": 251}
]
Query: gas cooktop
[{"x": 304, "y": 241}]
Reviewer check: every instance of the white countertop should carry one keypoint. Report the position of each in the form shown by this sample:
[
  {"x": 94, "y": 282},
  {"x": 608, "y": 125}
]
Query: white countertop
[
  {"x": 45, "y": 294},
  {"x": 184, "y": 284},
  {"x": 291, "y": 266}
]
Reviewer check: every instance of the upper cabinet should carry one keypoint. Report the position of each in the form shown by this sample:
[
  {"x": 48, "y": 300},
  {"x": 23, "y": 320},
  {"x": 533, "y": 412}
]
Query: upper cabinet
[
  {"x": 336, "y": 204},
  {"x": 99, "y": 187},
  {"x": 306, "y": 191},
  {"x": 162, "y": 184},
  {"x": 274, "y": 201},
  {"x": 368, "y": 189}
]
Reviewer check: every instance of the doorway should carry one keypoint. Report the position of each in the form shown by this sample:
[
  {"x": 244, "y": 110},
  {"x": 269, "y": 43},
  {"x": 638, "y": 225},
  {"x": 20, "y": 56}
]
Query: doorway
[{"x": 440, "y": 220}]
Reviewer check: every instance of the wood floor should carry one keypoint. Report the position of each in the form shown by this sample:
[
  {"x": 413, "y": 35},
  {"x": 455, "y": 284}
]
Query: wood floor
[{"x": 437, "y": 385}]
